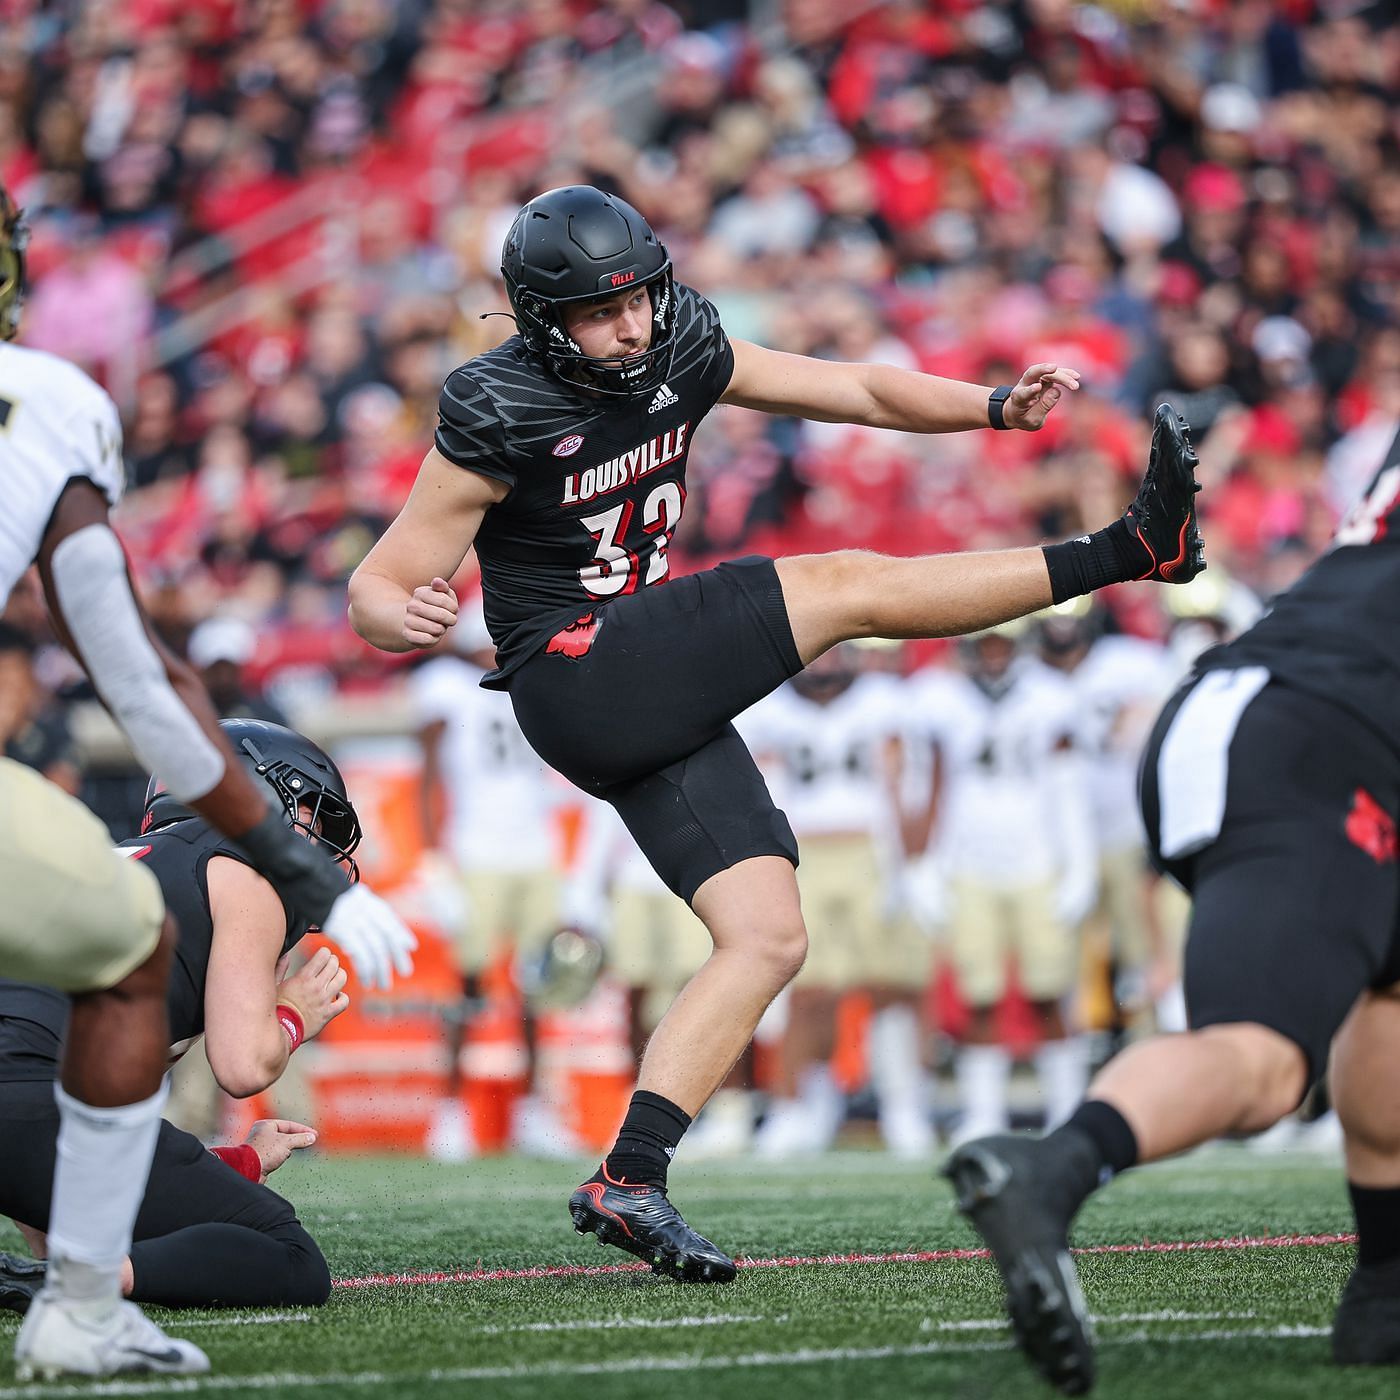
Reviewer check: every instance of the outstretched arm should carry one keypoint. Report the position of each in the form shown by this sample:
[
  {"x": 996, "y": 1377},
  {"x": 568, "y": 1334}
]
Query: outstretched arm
[
  {"x": 399, "y": 596},
  {"x": 881, "y": 396}
]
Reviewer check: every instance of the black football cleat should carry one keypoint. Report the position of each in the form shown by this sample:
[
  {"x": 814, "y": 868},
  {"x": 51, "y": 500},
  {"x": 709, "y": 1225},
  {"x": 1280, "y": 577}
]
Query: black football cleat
[
  {"x": 1366, "y": 1329},
  {"x": 642, "y": 1221},
  {"x": 20, "y": 1280},
  {"x": 999, "y": 1183},
  {"x": 1163, "y": 515}
]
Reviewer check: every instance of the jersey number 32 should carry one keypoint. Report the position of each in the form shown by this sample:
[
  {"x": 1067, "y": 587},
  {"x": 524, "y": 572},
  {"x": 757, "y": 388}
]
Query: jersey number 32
[{"x": 614, "y": 568}]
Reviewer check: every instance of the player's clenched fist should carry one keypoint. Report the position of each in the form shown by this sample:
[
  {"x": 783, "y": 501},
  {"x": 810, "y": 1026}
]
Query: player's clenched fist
[{"x": 431, "y": 611}]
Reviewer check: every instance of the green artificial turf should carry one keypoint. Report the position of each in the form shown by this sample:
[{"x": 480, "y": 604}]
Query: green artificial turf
[{"x": 1195, "y": 1325}]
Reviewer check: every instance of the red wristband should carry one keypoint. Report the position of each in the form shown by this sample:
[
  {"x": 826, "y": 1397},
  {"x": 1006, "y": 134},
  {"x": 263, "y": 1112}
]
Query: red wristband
[
  {"x": 243, "y": 1159},
  {"x": 289, "y": 1018}
]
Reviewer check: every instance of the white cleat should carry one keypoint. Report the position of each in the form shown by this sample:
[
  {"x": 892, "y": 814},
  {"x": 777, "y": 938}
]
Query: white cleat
[
  {"x": 908, "y": 1133},
  {"x": 63, "y": 1338},
  {"x": 540, "y": 1132},
  {"x": 723, "y": 1129},
  {"x": 792, "y": 1129},
  {"x": 450, "y": 1137}
]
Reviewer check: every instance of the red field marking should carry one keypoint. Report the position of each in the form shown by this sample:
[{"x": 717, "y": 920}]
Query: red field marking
[{"x": 934, "y": 1256}]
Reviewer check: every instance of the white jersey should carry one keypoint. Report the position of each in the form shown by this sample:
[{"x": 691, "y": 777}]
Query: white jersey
[
  {"x": 1119, "y": 686},
  {"x": 55, "y": 424},
  {"x": 997, "y": 821},
  {"x": 500, "y": 794},
  {"x": 823, "y": 761}
]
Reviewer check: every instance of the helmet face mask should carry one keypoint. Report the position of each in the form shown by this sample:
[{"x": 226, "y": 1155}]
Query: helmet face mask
[
  {"x": 321, "y": 814},
  {"x": 306, "y": 781},
  {"x": 14, "y": 241},
  {"x": 576, "y": 245}
]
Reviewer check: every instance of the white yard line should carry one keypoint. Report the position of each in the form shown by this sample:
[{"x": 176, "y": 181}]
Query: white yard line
[
  {"x": 260, "y": 1320},
  {"x": 623, "y": 1324},
  {"x": 423, "y": 1380}
]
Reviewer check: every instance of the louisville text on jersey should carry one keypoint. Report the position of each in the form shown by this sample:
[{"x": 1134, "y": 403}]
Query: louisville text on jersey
[{"x": 628, "y": 467}]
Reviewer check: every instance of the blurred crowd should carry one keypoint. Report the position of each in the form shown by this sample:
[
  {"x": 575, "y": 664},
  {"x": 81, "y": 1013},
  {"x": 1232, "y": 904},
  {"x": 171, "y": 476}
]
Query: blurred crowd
[{"x": 271, "y": 227}]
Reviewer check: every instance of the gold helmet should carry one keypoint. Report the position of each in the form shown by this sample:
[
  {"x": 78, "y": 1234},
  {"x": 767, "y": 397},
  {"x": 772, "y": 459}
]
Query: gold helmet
[{"x": 14, "y": 239}]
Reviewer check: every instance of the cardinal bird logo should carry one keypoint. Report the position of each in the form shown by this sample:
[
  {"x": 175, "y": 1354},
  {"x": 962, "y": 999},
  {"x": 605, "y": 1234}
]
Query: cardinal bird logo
[
  {"x": 1369, "y": 827},
  {"x": 575, "y": 640}
]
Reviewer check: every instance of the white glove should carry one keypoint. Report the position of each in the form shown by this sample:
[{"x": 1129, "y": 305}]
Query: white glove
[
  {"x": 584, "y": 905},
  {"x": 369, "y": 933},
  {"x": 439, "y": 886},
  {"x": 926, "y": 890},
  {"x": 1075, "y": 898}
]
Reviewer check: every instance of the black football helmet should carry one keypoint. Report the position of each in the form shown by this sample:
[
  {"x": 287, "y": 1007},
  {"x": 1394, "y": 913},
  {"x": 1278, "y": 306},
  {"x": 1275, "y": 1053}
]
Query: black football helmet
[
  {"x": 14, "y": 240},
  {"x": 301, "y": 774},
  {"x": 577, "y": 244}
]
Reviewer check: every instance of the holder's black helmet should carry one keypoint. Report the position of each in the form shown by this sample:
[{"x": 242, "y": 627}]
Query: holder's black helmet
[
  {"x": 301, "y": 774},
  {"x": 14, "y": 239},
  {"x": 577, "y": 244}
]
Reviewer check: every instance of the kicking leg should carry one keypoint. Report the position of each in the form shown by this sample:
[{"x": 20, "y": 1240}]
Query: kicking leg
[{"x": 833, "y": 597}]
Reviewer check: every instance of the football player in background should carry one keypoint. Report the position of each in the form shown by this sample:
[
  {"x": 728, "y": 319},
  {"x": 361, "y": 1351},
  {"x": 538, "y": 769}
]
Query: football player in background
[
  {"x": 560, "y": 455},
  {"x": 823, "y": 742},
  {"x": 1014, "y": 836},
  {"x": 496, "y": 837},
  {"x": 1118, "y": 683},
  {"x": 208, "y": 1232},
  {"x": 81, "y": 919},
  {"x": 1271, "y": 792},
  {"x": 654, "y": 944}
]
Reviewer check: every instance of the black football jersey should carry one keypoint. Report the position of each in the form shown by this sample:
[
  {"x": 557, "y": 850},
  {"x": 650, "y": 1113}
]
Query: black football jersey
[
  {"x": 32, "y": 1018},
  {"x": 1336, "y": 632},
  {"x": 597, "y": 485}
]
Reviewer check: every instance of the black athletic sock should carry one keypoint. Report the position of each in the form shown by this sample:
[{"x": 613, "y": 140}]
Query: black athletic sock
[
  {"x": 1111, "y": 555},
  {"x": 1096, "y": 1144},
  {"x": 235, "y": 1266},
  {"x": 1377, "y": 1211},
  {"x": 647, "y": 1140}
]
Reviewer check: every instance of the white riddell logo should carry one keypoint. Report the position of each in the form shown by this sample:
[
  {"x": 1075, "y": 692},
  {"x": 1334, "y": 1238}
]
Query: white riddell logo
[{"x": 664, "y": 399}]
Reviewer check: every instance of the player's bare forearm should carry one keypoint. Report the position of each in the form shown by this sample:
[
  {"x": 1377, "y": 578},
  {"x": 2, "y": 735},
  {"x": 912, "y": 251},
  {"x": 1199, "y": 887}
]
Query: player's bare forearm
[
  {"x": 400, "y": 599},
  {"x": 262, "y": 1065},
  {"x": 883, "y": 396},
  {"x": 377, "y": 607}
]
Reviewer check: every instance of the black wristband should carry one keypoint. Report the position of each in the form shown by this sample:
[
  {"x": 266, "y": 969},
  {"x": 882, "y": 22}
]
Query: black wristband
[
  {"x": 307, "y": 880},
  {"x": 1110, "y": 555},
  {"x": 996, "y": 405}
]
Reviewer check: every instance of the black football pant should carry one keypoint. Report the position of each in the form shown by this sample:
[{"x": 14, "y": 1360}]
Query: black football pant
[
  {"x": 205, "y": 1236},
  {"x": 1296, "y": 897}
]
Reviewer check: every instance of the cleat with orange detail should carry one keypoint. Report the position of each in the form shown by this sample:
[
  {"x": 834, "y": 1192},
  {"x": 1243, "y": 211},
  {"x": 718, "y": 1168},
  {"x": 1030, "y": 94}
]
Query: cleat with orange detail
[
  {"x": 639, "y": 1219},
  {"x": 1163, "y": 515}
]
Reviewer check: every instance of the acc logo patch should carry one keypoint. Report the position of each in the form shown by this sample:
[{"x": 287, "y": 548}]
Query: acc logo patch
[{"x": 566, "y": 447}]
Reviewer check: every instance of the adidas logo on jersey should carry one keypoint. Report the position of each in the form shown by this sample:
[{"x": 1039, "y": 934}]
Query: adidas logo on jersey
[{"x": 664, "y": 399}]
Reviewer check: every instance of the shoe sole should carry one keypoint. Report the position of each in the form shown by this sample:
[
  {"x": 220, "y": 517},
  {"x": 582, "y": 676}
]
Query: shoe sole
[
  {"x": 673, "y": 1263},
  {"x": 16, "y": 1298},
  {"x": 1043, "y": 1297},
  {"x": 29, "y": 1371}
]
